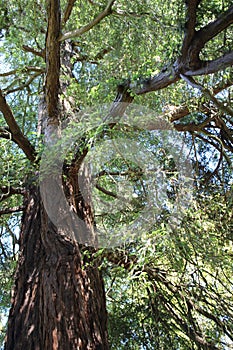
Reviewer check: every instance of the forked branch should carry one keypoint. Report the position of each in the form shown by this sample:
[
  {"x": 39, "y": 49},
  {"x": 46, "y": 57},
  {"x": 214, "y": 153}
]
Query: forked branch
[
  {"x": 190, "y": 24},
  {"x": 77, "y": 32}
]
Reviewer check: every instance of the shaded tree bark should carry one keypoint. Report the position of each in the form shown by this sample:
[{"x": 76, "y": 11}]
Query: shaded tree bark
[{"x": 59, "y": 298}]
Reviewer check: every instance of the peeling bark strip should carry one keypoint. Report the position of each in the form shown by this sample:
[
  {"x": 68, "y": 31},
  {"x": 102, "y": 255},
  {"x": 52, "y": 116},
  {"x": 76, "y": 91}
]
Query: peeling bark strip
[
  {"x": 52, "y": 84},
  {"x": 58, "y": 300}
]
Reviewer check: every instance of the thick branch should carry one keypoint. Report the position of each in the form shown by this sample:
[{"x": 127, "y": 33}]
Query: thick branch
[
  {"x": 165, "y": 78},
  {"x": 189, "y": 25},
  {"x": 17, "y": 134},
  {"x": 189, "y": 63},
  {"x": 177, "y": 112},
  {"x": 214, "y": 28},
  {"x": 204, "y": 35},
  {"x": 77, "y": 32},
  {"x": 208, "y": 67}
]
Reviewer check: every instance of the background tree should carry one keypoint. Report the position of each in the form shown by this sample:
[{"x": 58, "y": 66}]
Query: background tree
[{"x": 170, "y": 288}]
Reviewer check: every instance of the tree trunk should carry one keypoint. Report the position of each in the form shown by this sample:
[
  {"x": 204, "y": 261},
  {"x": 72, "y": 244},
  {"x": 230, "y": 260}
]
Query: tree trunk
[{"x": 58, "y": 300}]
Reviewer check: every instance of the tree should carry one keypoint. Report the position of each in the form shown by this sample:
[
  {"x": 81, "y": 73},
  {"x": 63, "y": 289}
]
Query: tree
[{"x": 59, "y": 61}]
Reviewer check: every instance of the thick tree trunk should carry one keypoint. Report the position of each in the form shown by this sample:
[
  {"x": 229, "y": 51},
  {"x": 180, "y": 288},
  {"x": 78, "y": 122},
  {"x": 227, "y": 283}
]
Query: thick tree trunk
[{"x": 58, "y": 300}]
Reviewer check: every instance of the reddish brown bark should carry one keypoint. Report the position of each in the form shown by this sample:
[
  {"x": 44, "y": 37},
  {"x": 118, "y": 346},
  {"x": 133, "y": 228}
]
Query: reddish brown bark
[{"x": 58, "y": 301}]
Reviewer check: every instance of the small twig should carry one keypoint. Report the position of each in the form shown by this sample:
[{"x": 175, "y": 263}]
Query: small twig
[
  {"x": 113, "y": 173},
  {"x": 206, "y": 92},
  {"x": 108, "y": 193},
  {"x": 23, "y": 86},
  {"x": 213, "y": 173},
  {"x": 5, "y": 133},
  {"x": 22, "y": 70},
  {"x": 130, "y": 14},
  {"x": 219, "y": 149}
]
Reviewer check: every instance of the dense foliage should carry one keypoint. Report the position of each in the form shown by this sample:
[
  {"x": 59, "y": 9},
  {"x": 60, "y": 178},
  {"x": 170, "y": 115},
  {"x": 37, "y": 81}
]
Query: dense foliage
[{"x": 171, "y": 288}]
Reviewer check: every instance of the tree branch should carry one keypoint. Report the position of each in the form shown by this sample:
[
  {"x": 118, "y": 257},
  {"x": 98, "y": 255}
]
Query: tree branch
[
  {"x": 77, "y": 32},
  {"x": 208, "y": 67},
  {"x": 191, "y": 127},
  {"x": 155, "y": 274},
  {"x": 22, "y": 70},
  {"x": 11, "y": 210},
  {"x": 7, "y": 191},
  {"x": 178, "y": 112},
  {"x": 226, "y": 109},
  {"x": 190, "y": 24},
  {"x": 166, "y": 77},
  {"x": 188, "y": 330},
  {"x": 212, "y": 29},
  {"x": 5, "y": 133},
  {"x": 201, "y": 37},
  {"x": 23, "y": 86},
  {"x": 17, "y": 134},
  {"x": 68, "y": 11},
  {"x": 35, "y": 52},
  {"x": 108, "y": 193},
  {"x": 12, "y": 190},
  {"x": 113, "y": 173},
  {"x": 219, "y": 149},
  {"x": 130, "y": 14}
]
